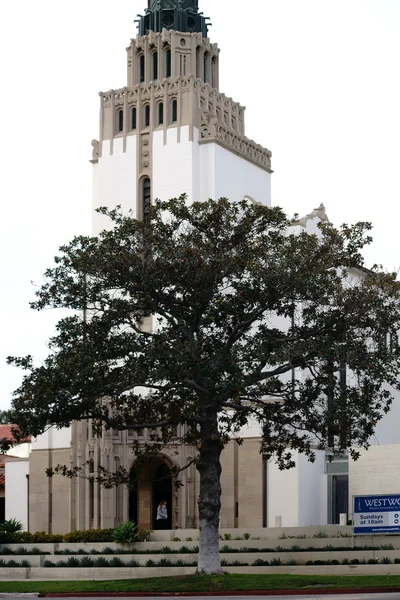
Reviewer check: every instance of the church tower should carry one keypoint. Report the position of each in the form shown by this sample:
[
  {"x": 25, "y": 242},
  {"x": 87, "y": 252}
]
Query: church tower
[{"x": 170, "y": 130}]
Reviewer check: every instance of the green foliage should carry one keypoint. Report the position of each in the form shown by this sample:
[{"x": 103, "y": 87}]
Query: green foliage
[
  {"x": 125, "y": 533},
  {"x": 11, "y": 526},
  {"x": 227, "y": 536},
  {"x": 143, "y": 535},
  {"x": 320, "y": 534},
  {"x": 246, "y": 536},
  {"x": 176, "y": 539},
  {"x": 189, "y": 539},
  {"x": 216, "y": 273},
  {"x": 88, "y": 536}
]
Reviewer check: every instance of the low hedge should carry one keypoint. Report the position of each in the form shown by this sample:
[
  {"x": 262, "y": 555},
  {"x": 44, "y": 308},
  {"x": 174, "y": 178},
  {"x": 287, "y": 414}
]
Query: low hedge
[{"x": 78, "y": 537}]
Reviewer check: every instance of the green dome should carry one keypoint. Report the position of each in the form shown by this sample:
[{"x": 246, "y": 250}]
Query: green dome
[{"x": 179, "y": 15}]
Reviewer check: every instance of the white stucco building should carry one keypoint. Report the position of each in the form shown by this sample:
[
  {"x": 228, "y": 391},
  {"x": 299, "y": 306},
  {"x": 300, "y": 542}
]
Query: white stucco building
[{"x": 169, "y": 131}]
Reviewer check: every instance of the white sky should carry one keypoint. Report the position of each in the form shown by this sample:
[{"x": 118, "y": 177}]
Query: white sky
[{"x": 320, "y": 80}]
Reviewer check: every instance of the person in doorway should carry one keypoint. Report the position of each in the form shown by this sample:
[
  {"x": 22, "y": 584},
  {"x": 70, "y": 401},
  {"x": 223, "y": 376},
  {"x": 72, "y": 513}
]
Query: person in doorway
[{"x": 162, "y": 515}]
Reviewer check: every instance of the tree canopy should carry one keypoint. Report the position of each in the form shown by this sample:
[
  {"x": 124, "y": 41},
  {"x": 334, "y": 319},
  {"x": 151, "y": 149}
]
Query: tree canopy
[{"x": 210, "y": 315}]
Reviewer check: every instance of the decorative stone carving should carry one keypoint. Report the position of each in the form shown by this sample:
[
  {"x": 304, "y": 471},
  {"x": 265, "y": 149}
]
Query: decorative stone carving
[
  {"x": 212, "y": 129},
  {"x": 96, "y": 149}
]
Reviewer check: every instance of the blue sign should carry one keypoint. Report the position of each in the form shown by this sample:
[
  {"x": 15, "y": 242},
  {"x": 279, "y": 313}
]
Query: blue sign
[{"x": 376, "y": 514}]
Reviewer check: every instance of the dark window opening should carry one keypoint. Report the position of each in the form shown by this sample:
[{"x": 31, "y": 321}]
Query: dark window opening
[
  {"x": 120, "y": 120},
  {"x": 206, "y": 69},
  {"x": 174, "y": 111},
  {"x": 155, "y": 65},
  {"x": 146, "y": 196},
  {"x": 168, "y": 63},
  {"x": 160, "y": 113},
  {"x": 147, "y": 116},
  {"x": 134, "y": 118},
  {"x": 142, "y": 68}
]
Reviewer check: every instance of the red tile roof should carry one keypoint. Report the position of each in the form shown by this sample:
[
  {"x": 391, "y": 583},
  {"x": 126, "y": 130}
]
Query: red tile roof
[{"x": 5, "y": 433}]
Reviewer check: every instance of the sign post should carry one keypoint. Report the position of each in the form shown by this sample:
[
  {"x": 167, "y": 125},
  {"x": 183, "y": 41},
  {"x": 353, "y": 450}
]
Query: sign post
[{"x": 376, "y": 514}]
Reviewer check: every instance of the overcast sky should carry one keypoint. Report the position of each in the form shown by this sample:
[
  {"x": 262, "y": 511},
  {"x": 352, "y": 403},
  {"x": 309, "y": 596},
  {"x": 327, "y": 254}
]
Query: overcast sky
[{"x": 320, "y": 80}]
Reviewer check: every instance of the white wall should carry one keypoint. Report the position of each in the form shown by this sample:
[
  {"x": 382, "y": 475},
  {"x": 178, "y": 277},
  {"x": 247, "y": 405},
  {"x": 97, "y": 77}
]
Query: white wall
[
  {"x": 377, "y": 471},
  {"x": 282, "y": 491},
  {"x": 114, "y": 181},
  {"x": 53, "y": 438},
  {"x": 21, "y": 451},
  {"x": 313, "y": 490},
  {"x": 173, "y": 167},
  {"x": 17, "y": 490}
]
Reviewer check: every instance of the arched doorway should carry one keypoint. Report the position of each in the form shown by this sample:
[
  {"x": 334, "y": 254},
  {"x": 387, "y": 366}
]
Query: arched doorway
[
  {"x": 151, "y": 483},
  {"x": 162, "y": 490},
  {"x": 133, "y": 497}
]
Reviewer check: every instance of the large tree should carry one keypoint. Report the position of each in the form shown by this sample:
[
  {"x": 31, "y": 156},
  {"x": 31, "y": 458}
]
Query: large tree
[{"x": 252, "y": 320}]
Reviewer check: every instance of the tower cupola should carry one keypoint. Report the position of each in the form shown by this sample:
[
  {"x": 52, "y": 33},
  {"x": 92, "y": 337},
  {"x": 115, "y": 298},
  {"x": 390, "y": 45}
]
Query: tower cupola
[{"x": 177, "y": 15}]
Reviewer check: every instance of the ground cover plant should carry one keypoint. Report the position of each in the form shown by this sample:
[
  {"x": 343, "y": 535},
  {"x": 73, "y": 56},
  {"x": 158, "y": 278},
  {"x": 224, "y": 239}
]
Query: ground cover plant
[{"x": 216, "y": 274}]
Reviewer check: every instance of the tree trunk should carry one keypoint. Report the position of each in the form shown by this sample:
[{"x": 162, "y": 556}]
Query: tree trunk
[{"x": 209, "y": 502}]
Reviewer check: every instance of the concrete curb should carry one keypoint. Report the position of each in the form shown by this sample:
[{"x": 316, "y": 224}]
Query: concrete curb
[{"x": 302, "y": 592}]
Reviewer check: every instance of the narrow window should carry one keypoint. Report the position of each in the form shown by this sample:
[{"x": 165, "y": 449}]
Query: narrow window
[
  {"x": 120, "y": 120},
  {"x": 160, "y": 113},
  {"x": 155, "y": 65},
  {"x": 142, "y": 68},
  {"x": 206, "y": 68},
  {"x": 198, "y": 62},
  {"x": 146, "y": 196},
  {"x": 134, "y": 118},
  {"x": 147, "y": 115},
  {"x": 214, "y": 72},
  {"x": 174, "y": 111},
  {"x": 168, "y": 63}
]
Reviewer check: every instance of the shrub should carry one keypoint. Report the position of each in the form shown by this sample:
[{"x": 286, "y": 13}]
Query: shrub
[
  {"x": 40, "y": 537},
  {"x": 48, "y": 563},
  {"x": 276, "y": 562},
  {"x": 374, "y": 561},
  {"x": 189, "y": 539},
  {"x": 132, "y": 563},
  {"x": 295, "y": 549},
  {"x": 125, "y": 533},
  {"x": 259, "y": 562},
  {"x": 25, "y": 563},
  {"x": 386, "y": 560},
  {"x": 176, "y": 539},
  {"x": 246, "y": 536},
  {"x": 320, "y": 534},
  {"x": 101, "y": 562},
  {"x": 73, "y": 562},
  {"x": 116, "y": 562},
  {"x": 108, "y": 550},
  {"x": 86, "y": 561},
  {"x": 90, "y": 535},
  {"x": 283, "y": 536},
  {"x": 354, "y": 561},
  {"x": 167, "y": 550},
  {"x": 144, "y": 535},
  {"x": 345, "y": 561},
  {"x": 12, "y": 526},
  {"x": 150, "y": 563},
  {"x": 238, "y": 563},
  {"x": 164, "y": 562},
  {"x": 227, "y": 536},
  {"x": 292, "y": 563}
]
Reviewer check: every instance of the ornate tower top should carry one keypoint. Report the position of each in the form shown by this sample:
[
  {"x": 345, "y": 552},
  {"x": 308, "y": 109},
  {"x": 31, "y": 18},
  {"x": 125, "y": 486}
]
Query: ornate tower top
[{"x": 179, "y": 15}]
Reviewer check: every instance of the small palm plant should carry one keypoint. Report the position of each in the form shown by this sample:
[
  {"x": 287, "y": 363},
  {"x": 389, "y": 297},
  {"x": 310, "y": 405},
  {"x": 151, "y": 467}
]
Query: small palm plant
[
  {"x": 12, "y": 526},
  {"x": 125, "y": 533}
]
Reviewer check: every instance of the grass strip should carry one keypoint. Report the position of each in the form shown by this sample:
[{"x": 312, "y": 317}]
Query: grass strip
[{"x": 208, "y": 583}]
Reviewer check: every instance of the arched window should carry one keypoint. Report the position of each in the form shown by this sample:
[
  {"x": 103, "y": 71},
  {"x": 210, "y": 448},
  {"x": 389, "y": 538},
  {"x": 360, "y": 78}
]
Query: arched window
[
  {"x": 168, "y": 63},
  {"x": 147, "y": 115},
  {"x": 160, "y": 113},
  {"x": 155, "y": 65},
  {"x": 134, "y": 118},
  {"x": 142, "y": 68},
  {"x": 146, "y": 197},
  {"x": 174, "y": 111},
  {"x": 120, "y": 120}
]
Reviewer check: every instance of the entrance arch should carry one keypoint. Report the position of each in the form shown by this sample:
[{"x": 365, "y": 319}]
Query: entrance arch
[
  {"x": 162, "y": 490},
  {"x": 133, "y": 496},
  {"x": 152, "y": 482}
]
